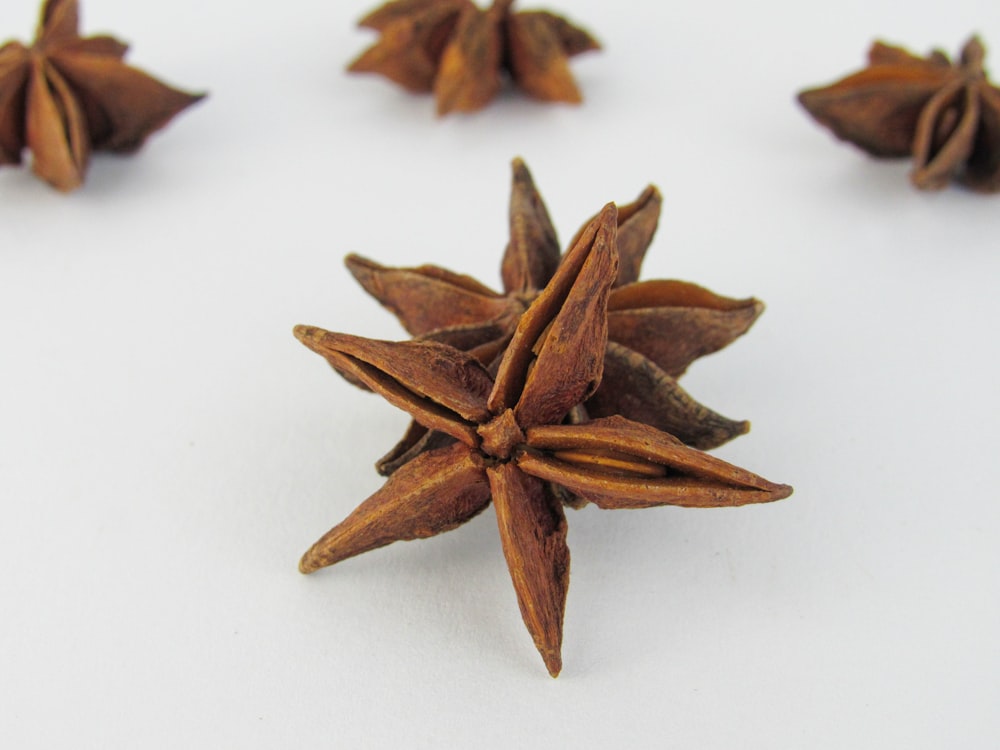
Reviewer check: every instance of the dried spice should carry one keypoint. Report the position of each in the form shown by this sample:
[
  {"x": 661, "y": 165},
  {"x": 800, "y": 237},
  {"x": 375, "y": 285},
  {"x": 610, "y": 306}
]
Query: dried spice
[
  {"x": 462, "y": 53},
  {"x": 656, "y": 328},
  {"x": 510, "y": 445},
  {"x": 947, "y": 116},
  {"x": 67, "y": 95}
]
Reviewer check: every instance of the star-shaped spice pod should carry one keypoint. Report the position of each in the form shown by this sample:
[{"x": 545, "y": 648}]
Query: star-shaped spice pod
[
  {"x": 656, "y": 328},
  {"x": 511, "y": 446},
  {"x": 67, "y": 95},
  {"x": 462, "y": 53},
  {"x": 947, "y": 116}
]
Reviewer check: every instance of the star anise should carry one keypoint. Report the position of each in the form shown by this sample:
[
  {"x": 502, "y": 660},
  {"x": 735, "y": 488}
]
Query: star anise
[
  {"x": 656, "y": 328},
  {"x": 947, "y": 116},
  {"x": 462, "y": 53},
  {"x": 68, "y": 95},
  {"x": 510, "y": 445}
]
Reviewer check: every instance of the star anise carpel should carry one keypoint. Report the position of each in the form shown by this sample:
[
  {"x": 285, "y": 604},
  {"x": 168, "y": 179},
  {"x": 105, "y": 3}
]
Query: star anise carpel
[
  {"x": 945, "y": 115},
  {"x": 656, "y": 328},
  {"x": 463, "y": 53},
  {"x": 66, "y": 96},
  {"x": 509, "y": 444}
]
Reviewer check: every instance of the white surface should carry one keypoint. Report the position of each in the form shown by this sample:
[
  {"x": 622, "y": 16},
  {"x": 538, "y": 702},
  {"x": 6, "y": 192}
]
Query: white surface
[{"x": 167, "y": 450}]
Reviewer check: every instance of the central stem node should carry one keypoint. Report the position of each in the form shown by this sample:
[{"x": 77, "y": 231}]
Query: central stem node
[{"x": 500, "y": 435}]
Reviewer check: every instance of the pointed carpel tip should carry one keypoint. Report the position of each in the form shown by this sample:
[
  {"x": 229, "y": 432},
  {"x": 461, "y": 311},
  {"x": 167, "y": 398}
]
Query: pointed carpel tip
[
  {"x": 651, "y": 194},
  {"x": 520, "y": 174},
  {"x": 193, "y": 98},
  {"x": 805, "y": 98},
  {"x": 973, "y": 51},
  {"x": 607, "y": 220},
  {"x": 308, "y": 335},
  {"x": 609, "y": 214},
  {"x": 67, "y": 187},
  {"x": 781, "y": 491},
  {"x": 359, "y": 266},
  {"x": 307, "y": 564},
  {"x": 553, "y": 663},
  {"x": 444, "y": 104},
  {"x": 750, "y": 309},
  {"x": 648, "y": 206},
  {"x": 926, "y": 179}
]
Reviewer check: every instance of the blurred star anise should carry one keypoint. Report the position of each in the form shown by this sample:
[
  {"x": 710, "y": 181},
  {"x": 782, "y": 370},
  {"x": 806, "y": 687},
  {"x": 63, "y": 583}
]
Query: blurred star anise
[
  {"x": 655, "y": 328},
  {"x": 947, "y": 116},
  {"x": 462, "y": 53},
  {"x": 510, "y": 444},
  {"x": 68, "y": 95}
]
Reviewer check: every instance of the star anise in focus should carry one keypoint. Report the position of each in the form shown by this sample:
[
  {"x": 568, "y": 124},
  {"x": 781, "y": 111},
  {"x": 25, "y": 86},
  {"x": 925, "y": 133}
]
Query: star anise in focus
[
  {"x": 947, "y": 116},
  {"x": 462, "y": 53},
  {"x": 656, "y": 328},
  {"x": 68, "y": 95},
  {"x": 511, "y": 446}
]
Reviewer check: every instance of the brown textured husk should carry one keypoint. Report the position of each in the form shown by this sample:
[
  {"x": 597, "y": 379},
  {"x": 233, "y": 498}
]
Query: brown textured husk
[
  {"x": 688, "y": 477},
  {"x": 436, "y": 492},
  {"x": 637, "y": 388},
  {"x": 463, "y": 53},
  {"x": 946, "y": 116},
  {"x": 507, "y": 452},
  {"x": 532, "y": 529},
  {"x": 68, "y": 96}
]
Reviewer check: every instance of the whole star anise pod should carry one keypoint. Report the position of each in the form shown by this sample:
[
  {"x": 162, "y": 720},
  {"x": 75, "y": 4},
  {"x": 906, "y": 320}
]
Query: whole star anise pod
[
  {"x": 462, "y": 53},
  {"x": 947, "y": 116},
  {"x": 510, "y": 444},
  {"x": 68, "y": 95},
  {"x": 656, "y": 328}
]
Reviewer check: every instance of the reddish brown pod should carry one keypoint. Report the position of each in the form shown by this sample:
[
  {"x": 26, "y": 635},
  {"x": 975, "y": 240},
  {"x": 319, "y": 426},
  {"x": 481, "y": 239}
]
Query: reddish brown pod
[
  {"x": 66, "y": 96},
  {"x": 944, "y": 114},
  {"x": 508, "y": 442},
  {"x": 463, "y": 54}
]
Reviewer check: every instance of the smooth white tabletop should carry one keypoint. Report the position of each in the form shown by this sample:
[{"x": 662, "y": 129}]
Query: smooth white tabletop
[{"x": 168, "y": 450}]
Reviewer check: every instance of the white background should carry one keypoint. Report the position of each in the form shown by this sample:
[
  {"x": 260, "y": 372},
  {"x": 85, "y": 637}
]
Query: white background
[{"x": 168, "y": 450}]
